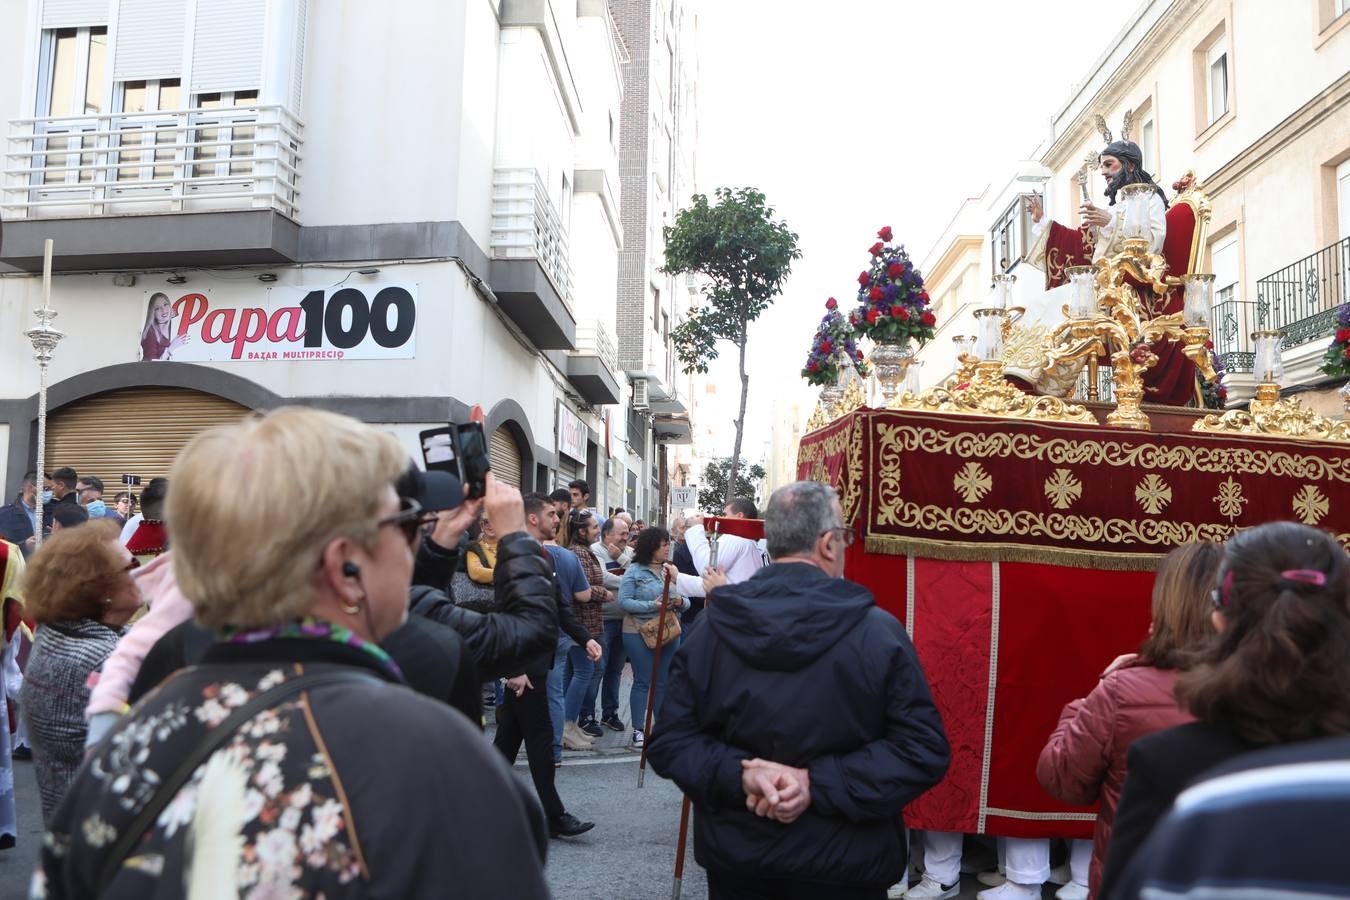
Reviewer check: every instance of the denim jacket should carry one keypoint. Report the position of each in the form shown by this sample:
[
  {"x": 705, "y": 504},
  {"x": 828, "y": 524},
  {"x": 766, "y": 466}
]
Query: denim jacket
[{"x": 640, "y": 594}]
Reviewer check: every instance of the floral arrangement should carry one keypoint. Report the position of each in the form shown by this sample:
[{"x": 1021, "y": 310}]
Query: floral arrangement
[
  {"x": 1213, "y": 393},
  {"x": 1336, "y": 361},
  {"x": 892, "y": 302},
  {"x": 832, "y": 347}
]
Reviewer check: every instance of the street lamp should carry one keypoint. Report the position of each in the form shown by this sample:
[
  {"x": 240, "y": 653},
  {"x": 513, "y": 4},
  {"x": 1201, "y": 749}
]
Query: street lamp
[{"x": 44, "y": 339}]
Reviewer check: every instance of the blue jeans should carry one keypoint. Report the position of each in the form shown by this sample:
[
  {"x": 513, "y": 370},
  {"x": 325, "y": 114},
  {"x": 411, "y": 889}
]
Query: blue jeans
[
  {"x": 556, "y": 707},
  {"x": 641, "y": 658},
  {"x": 577, "y": 682},
  {"x": 609, "y": 674}
]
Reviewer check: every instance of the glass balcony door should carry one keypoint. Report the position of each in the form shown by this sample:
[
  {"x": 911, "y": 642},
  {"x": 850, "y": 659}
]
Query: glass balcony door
[
  {"x": 72, "y": 68},
  {"x": 146, "y": 144}
]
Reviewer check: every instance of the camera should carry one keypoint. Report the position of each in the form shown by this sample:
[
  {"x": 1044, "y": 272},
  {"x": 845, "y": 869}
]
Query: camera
[{"x": 462, "y": 451}]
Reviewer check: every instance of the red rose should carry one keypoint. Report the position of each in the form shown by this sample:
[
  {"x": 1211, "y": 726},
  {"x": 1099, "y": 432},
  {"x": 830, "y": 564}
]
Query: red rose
[
  {"x": 885, "y": 233},
  {"x": 924, "y": 296},
  {"x": 864, "y": 278},
  {"x": 813, "y": 366},
  {"x": 872, "y": 316},
  {"x": 826, "y": 347},
  {"x": 876, "y": 293},
  {"x": 1342, "y": 335},
  {"x": 876, "y": 248},
  {"x": 898, "y": 312},
  {"x": 903, "y": 315},
  {"x": 928, "y": 318},
  {"x": 895, "y": 269},
  {"x": 1347, "y": 352},
  {"x": 858, "y": 354},
  {"x": 831, "y": 303}
]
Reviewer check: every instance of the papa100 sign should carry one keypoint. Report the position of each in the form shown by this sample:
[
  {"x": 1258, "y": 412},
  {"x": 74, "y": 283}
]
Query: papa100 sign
[{"x": 291, "y": 323}]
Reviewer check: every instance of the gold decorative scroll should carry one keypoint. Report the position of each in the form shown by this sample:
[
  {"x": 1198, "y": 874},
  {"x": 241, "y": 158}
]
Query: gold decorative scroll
[
  {"x": 981, "y": 397},
  {"x": 1287, "y": 418}
]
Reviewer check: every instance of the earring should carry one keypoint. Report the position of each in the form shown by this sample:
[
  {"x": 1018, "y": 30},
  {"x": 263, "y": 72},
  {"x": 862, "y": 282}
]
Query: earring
[
  {"x": 107, "y": 601},
  {"x": 353, "y": 609}
]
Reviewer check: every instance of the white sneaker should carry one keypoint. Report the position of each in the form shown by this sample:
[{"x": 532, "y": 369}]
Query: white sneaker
[
  {"x": 993, "y": 878},
  {"x": 1061, "y": 874},
  {"x": 1010, "y": 890},
  {"x": 1072, "y": 891},
  {"x": 931, "y": 889},
  {"x": 897, "y": 890}
]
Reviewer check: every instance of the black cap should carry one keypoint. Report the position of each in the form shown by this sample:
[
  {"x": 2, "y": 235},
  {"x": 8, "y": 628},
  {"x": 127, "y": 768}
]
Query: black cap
[{"x": 434, "y": 490}]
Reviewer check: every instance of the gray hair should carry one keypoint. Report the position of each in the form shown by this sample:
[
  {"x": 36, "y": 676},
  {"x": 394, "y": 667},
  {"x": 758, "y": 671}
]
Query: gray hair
[{"x": 798, "y": 514}]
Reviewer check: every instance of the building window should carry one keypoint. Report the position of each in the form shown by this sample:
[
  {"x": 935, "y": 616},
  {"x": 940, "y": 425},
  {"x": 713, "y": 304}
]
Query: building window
[
  {"x": 565, "y": 208},
  {"x": 1343, "y": 199},
  {"x": 1224, "y": 260},
  {"x": 72, "y": 66},
  {"x": 146, "y": 141},
  {"x": 656, "y": 310},
  {"x": 1340, "y": 7},
  {"x": 1146, "y": 136},
  {"x": 1007, "y": 239},
  {"x": 1217, "y": 80},
  {"x": 225, "y": 132}
]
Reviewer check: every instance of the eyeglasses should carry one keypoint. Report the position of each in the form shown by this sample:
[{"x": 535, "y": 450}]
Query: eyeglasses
[
  {"x": 410, "y": 519},
  {"x": 846, "y": 534},
  {"x": 129, "y": 567}
]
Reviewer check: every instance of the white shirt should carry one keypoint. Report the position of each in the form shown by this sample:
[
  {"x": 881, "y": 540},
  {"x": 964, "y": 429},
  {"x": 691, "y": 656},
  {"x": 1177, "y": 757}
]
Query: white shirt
[
  {"x": 739, "y": 557},
  {"x": 130, "y": 528}
]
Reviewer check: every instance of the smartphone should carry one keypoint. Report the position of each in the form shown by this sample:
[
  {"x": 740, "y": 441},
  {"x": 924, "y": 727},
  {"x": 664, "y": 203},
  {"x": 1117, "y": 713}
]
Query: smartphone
[
  {"x": 131, "y": 480},
  {"x": 473, "y": 457},
  {"x": 439, "y": 451}
]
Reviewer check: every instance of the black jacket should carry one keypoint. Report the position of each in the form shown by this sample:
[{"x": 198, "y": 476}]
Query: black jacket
[
  {"x": 433, "y": 658},
  {"x": 1160, "y": 766},
  {"x": 799, "y": 668},
  {"x": 14, "y": 525},
  {"x": 502, "y": 643}
]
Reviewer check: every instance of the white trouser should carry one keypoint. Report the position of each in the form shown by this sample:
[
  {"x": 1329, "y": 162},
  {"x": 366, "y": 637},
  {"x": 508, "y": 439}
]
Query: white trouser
[
  {"x": 1025, "y": 860},
  {"x": 942, "y": 856},
  {"x": 1080, "y": 859}
]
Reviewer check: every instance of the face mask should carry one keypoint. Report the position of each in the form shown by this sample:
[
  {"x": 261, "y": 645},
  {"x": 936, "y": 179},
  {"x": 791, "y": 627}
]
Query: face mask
[
  {"x": 46, "y": 496},
  {"x": 97, "y": 510}
]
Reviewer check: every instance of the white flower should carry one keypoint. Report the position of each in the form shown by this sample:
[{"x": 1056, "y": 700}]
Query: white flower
[
  {"x": 98, "y": 833},
  {"x": 233, "y": 695},
  {"x": 270, "y": 752},
  {"x": 301, "y": 796},
  {"x": 270, "y": 779},
  {"x": 271, "y": 679},
  {"x": 276, "y": 853},
  {"x": 247, "y": 874},
  {"x": 326, "y": 818},
  {"x": 179, "y": 811},
  {"x": 254, "y": 802},
  {"x": 211, "y": 713},
  {"x": 311, "y": 844},
  {"x": 290, "y": 819}
]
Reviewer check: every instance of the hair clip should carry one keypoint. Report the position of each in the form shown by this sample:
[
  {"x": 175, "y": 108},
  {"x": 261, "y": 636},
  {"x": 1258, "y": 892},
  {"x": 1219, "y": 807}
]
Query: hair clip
[{"x": 1305, "y": 576}]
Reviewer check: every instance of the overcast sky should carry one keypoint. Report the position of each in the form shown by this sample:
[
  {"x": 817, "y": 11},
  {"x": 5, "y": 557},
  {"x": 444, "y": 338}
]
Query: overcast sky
[{"x": 888, "y": 112}]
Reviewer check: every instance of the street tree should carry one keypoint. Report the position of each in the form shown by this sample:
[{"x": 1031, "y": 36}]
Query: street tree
[
  {"x": 742, "y": 257},
  {"x": 713, "y": 495}
]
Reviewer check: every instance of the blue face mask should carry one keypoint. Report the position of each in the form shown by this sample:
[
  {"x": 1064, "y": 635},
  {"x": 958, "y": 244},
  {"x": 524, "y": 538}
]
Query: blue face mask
[
  {"x": 46, "y": 496},
  {"x": 97, "y": 510}
]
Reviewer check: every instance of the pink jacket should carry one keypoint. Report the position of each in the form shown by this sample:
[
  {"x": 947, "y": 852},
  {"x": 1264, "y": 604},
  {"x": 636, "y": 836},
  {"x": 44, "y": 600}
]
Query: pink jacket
[
  {"x": 168, "y": 607},
  {"x": 1084, "y": 760}
]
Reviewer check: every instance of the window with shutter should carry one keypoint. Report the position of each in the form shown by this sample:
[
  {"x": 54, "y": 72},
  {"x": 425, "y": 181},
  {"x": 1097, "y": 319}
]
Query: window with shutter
[
  {"x": 504, "y": 455},
  {"x": 67, "y": 13},
  {"x": 149, "y": 39},
  {"x": 227, "y": 45}
]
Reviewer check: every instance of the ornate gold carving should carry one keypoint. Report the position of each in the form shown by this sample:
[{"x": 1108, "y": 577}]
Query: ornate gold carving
[
  {"x": 889, "y": 455},
  {"x": 1310, "y": 504},
  {"x": 994, "y": 397},
  {"x": 1062, "y": 488},
  {"x": 853, "y": 398},
  {"x": 818, "y": 419},
  {"x": 1265, "y": 415},
  {"x": 1153, "y": 494},
  {"x": 1025, "y": 346},
  {"x": 1216, "y": 459},
  {"x": 1230, "y": 498},
  {"x": 850, "y": 498},
  {"x": 972, "y": 482}
]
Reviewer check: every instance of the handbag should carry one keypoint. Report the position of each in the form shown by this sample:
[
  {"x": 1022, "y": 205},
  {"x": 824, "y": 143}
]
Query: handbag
[{"x": 649, "y": 630}]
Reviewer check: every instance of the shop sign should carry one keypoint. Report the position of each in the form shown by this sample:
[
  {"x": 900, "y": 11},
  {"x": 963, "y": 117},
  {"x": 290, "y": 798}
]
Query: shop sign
[
  {"x": 684, "y": 496},
  {"x": 571, "y": 434},
  {"x": 281, "y": 323}
]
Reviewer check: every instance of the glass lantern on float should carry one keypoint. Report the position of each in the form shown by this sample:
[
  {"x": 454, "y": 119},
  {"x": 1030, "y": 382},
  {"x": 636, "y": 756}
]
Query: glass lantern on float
[
  {"x": 1269, "y": 364},
  {"x": 1136, "y": 224},
  {"x": 1082, "y": 292}
]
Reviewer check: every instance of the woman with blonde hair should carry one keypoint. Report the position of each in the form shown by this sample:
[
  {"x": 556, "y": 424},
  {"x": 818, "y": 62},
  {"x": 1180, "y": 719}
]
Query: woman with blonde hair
[
  {"x": 78, "y": 588},
  {"x": 293, "y": 760},
  {"x": 157, "y": 338},
  {"x": 1084, "y": 761}
]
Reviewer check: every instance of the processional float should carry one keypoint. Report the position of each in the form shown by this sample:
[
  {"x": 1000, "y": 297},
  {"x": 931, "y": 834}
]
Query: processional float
[{"x": 993, "y": 506}]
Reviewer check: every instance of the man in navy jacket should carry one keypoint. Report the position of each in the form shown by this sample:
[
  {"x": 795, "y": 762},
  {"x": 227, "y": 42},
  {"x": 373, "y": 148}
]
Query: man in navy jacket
[{"x": 799, "y": 722}]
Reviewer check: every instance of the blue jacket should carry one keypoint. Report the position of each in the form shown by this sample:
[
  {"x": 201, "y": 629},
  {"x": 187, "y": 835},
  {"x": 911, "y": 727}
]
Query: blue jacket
[
  {"x": 640, "y": 593},
  {"x": 802, "y": 669}
]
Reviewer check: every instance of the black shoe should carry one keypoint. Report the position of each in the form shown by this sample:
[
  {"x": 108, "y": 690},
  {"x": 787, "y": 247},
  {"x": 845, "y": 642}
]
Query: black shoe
[
  {"x": 6, "y": 842},
  {"x": 568, "y": 825},
  {"x": 592, "y": 728},
  {"x": 613, "y": 722},
  {"x": 23, "y": 753}
]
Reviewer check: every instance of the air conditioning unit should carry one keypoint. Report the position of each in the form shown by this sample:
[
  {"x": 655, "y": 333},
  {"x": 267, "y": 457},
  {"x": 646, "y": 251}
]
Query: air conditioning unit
[{"x": 640, "y": 395}]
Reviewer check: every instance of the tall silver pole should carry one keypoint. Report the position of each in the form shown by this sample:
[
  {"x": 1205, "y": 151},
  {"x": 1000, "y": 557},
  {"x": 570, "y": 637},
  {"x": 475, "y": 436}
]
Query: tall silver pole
[{"x": 44, "y": 339}]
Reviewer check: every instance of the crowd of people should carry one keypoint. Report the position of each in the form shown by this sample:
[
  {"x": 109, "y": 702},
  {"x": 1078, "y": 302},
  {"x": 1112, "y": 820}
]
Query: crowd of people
[{"x": 187, "y": 694}]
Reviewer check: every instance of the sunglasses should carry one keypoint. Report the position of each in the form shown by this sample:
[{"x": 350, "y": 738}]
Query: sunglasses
[
  {"x": 410, "y": 519},
  {"x": 846, "y": 533}
]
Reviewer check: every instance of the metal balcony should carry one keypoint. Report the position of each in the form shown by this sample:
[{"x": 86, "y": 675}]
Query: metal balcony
[
  {"x": 531, "y": 271},
  {"x": 591, "y": 367},
  {"x": 240, "y": 166}
]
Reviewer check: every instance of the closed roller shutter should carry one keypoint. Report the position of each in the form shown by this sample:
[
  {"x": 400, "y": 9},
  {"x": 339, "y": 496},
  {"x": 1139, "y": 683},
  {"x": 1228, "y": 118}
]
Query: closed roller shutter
[
  {"x": 227, "y": 48},
  {"x": 504, "y": 455},
  {"x": 137, "y": 431},
  {"x": 149, "y": 39},
  {"x": 568, "y": 470}
]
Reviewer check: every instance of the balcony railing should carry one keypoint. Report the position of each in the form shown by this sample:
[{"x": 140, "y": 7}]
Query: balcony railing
[
  {"x": 1301, "y": 300},
  {"x": 525, "y": 225},
  {"x": 593, "y": 340},
  {"x": 189, "y": 160}
]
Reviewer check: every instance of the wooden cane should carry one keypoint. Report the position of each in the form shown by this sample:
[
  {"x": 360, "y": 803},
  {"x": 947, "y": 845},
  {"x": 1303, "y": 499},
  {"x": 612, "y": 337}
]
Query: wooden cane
[
  {"x": 679, "y": 849},
  {"x": 656, "y": 671}
]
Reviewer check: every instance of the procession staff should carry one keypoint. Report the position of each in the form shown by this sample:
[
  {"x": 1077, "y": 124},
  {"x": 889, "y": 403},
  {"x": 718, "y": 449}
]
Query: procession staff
[{"x": 656, "y": 671}]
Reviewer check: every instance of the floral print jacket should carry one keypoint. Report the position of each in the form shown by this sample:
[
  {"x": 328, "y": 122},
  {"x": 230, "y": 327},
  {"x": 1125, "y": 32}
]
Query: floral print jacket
[{"x": 347, "y": 790}]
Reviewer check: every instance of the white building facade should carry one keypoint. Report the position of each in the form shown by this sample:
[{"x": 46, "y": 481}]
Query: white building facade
[{"x": 395, "y": 211}]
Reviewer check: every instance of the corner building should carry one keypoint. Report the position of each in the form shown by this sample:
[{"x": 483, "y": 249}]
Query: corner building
[{"x": 392, "y": 210}]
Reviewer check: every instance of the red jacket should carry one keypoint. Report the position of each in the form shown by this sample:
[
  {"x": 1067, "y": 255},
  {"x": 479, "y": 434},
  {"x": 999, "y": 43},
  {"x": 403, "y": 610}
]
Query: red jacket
[{"x": 1084, "y": 760}]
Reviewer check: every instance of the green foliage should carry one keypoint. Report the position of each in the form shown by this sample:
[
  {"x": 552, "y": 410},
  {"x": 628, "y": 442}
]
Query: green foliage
[
  {"x": 712, "y": 496},
  {"x": 742, "y": 254}
]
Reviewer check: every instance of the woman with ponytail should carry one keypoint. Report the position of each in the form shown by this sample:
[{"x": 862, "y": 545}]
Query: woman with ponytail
[{"x": 1275, "y": 672}]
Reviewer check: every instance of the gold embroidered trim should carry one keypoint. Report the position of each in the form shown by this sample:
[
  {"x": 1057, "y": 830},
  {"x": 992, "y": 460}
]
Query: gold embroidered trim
[
  {"x": 996, "y": 591},
  {"x": 1042, "y": 816},
  {"x": 964, "y": 551}
]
